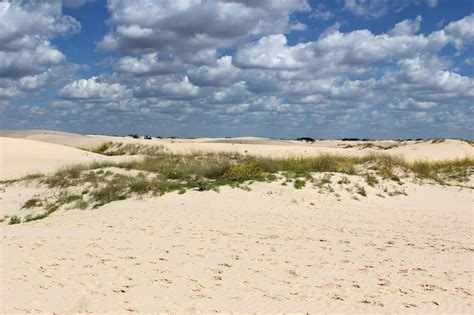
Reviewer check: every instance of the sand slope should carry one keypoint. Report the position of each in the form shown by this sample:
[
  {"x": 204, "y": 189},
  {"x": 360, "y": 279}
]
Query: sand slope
[
  {"x": 52, "y": 136},
  {"x": 20, "y": 157},
  {"x": 410, "y": 150},
  {"x": 247, "y": 252}
]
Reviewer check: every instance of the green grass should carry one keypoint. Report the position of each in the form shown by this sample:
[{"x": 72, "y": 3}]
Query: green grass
[
  {"x": 298, "y": 183},
  {"x": 164, "y": 172}
]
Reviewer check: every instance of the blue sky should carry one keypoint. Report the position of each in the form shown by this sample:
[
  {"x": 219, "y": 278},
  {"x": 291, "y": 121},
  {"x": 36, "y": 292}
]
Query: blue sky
[{"x": 327, "y": 69}]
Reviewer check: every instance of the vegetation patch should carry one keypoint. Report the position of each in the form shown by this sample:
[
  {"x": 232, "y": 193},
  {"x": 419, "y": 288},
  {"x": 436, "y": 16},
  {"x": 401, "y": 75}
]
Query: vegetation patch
[
  {"x": 119, "y": 148},
  {"x": 31, "y": 203},
  {"x": 100, "y": 183},
  {"x": 14, "y": 219}
]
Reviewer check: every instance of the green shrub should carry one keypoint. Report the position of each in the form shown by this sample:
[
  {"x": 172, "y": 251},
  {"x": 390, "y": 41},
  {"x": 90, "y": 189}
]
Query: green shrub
[
  {"x": 298, "y": 183},
  {"x": 203, "y": 185}
]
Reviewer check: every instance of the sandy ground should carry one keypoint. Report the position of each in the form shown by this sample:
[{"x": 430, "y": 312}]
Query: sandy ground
[
  {"x": 273, "y": 249},
  {"x": 247, "y": 251}
]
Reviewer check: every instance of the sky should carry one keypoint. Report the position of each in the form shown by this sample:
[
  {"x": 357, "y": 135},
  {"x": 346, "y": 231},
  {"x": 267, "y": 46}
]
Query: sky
[{"x": 282, "y": 69}]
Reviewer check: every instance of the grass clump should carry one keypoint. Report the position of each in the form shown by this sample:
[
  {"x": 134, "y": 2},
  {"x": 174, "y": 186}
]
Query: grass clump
[
  {"x": 65, "y": 198},
  {"x": 119, "y": 148},
  {"x": 203, "y": 185},
  {"x": 80, "y": 204},
  {"x": 298, "y": 183},
  {"x": 243, "y": 172},
  {"x": 360, "y": 190},
  {"x": 344, "y": 181},
  {"x": 33, "y": 202},
  {"x": 101, "y": 149},
  {"x": 304, "y": 165},
  {"x": 114, "y": 190},
  {"x": 440, "y": 171},
  {"x": 14, "y": 219},
  {"x": 51, "y": 207},
  {"x": 40, "y": 216},
  {"x": 371, "y": 180}
]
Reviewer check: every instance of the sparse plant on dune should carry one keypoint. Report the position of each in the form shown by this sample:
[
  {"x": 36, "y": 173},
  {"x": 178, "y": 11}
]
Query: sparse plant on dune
[
  {"x": 344, "y": 181},
  {"x": 298, "y": 183},
  {"x": 360, "y": 190},
  {"x": 98, "y": 183},
  {"x": 371, "y": 179},
  {"x": 33, "y": 202},
  {"x": 119, "y": 148},
  {"x": 14, "y": 219}
]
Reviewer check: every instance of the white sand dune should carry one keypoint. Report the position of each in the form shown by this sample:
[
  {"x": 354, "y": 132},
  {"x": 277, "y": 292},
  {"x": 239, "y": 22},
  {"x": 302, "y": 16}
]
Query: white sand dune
[
  {"x": 51, "y": 136},
  {"x": 410, "y": 150},
  {"x": 21, "y": 157},
  {"x": 273, "y": 249}
]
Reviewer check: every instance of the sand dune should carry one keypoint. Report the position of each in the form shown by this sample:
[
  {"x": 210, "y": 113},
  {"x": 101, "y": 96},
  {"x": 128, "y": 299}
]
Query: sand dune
[
  {"x": 21, "y": 157},
  {"x": 288, "y": 251},
  {"x": 410, "y": 150},
  {"x": 273, "y": 249},
  {"x": 51, "y": 136}
]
